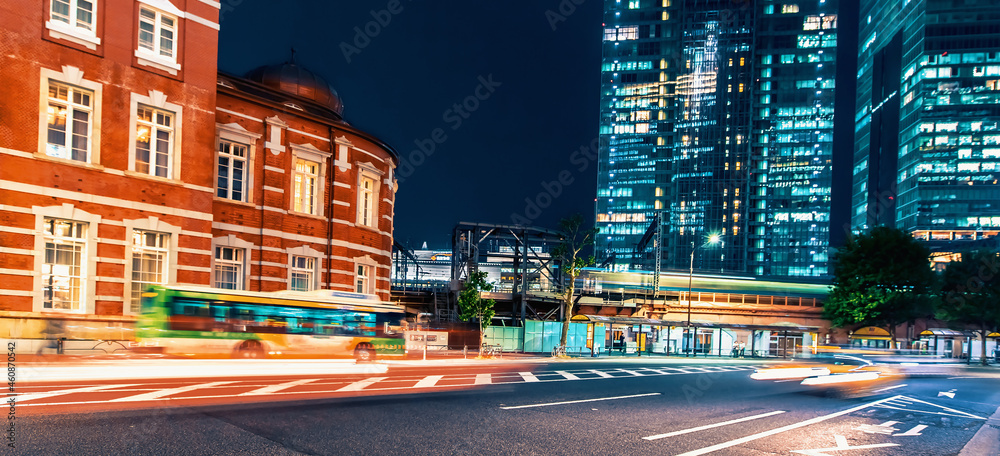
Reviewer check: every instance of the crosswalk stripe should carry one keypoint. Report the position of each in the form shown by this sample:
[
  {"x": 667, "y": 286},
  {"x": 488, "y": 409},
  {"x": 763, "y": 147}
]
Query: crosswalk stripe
[
  {"x": 358, "y": 386},
  {"x": 637, "y": 374},
  {"x": 428, "y": 381},
  {"x": 87, "y": 389},
  {"x": 529, "y": 377},
  {"x": 568, "y": 375},
  {"x": 601, "y": 373},
  {"x": 168, "y": 392},
  {"x": 657, "y": 371},
  {"x": 484, "y": 379},
  {"x": 280, "y": 386}
]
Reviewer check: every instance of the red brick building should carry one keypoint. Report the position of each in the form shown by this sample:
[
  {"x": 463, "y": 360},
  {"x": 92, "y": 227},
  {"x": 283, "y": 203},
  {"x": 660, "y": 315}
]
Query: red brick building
[{"x": 126, "y": 159}]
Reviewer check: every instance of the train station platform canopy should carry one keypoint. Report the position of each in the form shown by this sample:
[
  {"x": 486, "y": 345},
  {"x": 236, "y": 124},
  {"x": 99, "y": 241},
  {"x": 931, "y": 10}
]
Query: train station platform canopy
[{"x": 610, "y": 319}]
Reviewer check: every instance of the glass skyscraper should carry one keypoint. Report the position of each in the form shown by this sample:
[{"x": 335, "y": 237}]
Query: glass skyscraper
[
  {"x": 716, "y": 117},
  {"x": 927, "y": 141}
]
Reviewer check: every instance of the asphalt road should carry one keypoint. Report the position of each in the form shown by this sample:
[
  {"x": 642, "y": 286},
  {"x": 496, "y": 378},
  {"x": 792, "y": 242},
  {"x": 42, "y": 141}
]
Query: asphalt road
[{"x": 576, "y": 407}]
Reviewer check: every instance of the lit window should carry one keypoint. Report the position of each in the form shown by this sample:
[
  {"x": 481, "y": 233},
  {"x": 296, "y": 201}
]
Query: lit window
[
  {"x": 69, "y": 122},
  {"x": 228, "y": 271},
  {"x": 153, "y": 141},
  {"x": 366, "y": 201},
  {"x": 792, "y": 8},
  {"x": 77, "y": 14},
  {"x": 63, "y": 271},
  {"x": 363, "y": 279},
  {"x": 156, "y": 33},
  {"x": 232, "y": 170},
  {"x": 305, "y": 186},
  {"x": 149, "y": 263},
  {"x": 303, "y": 272}
]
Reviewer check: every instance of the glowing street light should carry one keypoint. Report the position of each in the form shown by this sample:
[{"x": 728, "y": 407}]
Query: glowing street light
[{"x": 712, "y": 240}]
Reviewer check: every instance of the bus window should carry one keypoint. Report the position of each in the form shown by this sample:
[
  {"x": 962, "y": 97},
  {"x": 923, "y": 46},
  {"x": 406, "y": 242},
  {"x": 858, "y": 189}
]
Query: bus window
[{"x": 190, "y": 315}]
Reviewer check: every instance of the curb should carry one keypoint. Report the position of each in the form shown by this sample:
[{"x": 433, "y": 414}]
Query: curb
[{"x": 987, "y": 440}]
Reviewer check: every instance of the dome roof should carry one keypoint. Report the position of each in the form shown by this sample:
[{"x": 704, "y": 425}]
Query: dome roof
[{"x": 293, "y": 79}]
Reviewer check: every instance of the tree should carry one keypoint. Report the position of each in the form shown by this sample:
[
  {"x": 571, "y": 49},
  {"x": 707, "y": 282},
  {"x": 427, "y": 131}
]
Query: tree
[
  {"x": 471, "y": 304},
  {"x": 882, "y": 278},
  {"x": 575, "y": 238},
  {"x": 970, "y": 293}
]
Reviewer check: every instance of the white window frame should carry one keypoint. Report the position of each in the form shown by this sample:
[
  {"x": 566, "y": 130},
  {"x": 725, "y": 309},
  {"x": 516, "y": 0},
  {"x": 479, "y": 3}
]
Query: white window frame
[
  {"x": 157, "y": 100},
  {"x": 305, "y": 186},
  {"x": 236, "y": 243},
  {"x": 308, "y": 269},
  {"x": 235, "y": 133},
  {"x": 88, "y": 264},
  {"x": 73, "y": 77},
  {"x": 305, "y": 252},
  {"x": 173, "y": 238},
  {"x": 368, "y": 171},
  {"x": 310, "y": 153},
  {"x": 154, "y": 57},
  {"x": 71, "y": 108},
  {"x": 238, "y": 263},
  {"x": 161, "y": 253},
  {"x": 72, "y": 32},
  {"x": 369, "y": 282}
]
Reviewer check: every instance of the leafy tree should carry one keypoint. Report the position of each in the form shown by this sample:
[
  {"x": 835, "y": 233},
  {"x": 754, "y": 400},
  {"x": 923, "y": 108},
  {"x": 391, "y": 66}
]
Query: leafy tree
[
  {"x": 882, "y": 278},
  {"x": 575, "y": 238},
  {"x": 970, "y": 293},
  {"x": 471, "y": 304}
]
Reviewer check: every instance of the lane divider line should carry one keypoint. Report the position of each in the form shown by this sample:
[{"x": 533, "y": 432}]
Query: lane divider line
[
  {"x": 710, "y": 426},
  {"x": 579, "y": 401}
]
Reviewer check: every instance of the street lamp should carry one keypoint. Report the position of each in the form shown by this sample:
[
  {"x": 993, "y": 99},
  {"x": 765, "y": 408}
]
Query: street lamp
[{"x": 712, "y": 240}]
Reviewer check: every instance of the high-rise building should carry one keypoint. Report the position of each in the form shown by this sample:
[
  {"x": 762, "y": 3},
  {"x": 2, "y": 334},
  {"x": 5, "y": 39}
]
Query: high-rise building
[
  {"x": 716, "y": 118},
  {"x": 927, "y": 154}
]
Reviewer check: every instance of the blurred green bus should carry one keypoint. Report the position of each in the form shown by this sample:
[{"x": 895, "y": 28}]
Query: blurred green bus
[{"x": 210, "y": 322}]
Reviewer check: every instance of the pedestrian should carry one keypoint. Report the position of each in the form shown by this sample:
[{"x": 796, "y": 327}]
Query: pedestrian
[
  {"x": 736, "y": 349},
  {"x": 622, "y": 342},
  {"x": 743, "y": 349}
]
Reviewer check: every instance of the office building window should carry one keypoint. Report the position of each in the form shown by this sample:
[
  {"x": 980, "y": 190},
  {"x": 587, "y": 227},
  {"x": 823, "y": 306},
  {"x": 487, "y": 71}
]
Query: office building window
[
  {"x": 228, "y": 271},
  {"x": 69, "y": 114},
  {"x": 153, "y": 141},
  {"x": 63, "y": 271},
  {"x": 149, "y": 263}
]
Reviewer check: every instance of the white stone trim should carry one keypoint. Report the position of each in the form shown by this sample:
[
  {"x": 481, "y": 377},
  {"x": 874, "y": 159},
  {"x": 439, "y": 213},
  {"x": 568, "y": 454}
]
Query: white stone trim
[
  {"x": 16, "y": 251},
  {"x": 111, "y": 261},
  {"x": 342, "y": 203},
  {"x": 341, "y": 185},
  {"x": 211, "y": 3},
  {"x": 72, "y": 34},
  {"x": 274, "y": 189},
  {"x": 309, "y": 135},
  {"x": 192, "y": 251},
  {"x": 110, "y": 241},
  {"x": 20, "y": 272},
  {"x": 109, "y": 298},
  {"x": 207, "y": 23},
  {"x": 16, "y": 230},
  {"x": 19, "y": 293},
  {"x": 373, "y": 156},
  {"x": 16, "y": 209},
  {"x": 97, "y": 199},
  {"x": 273, "y": 168},
  {"x": 296, "y": 237},
  {"x": 195, "y": 268},
  {"x": 196, "y": 234},
  {"x": 239, "y": 114},
  {"x": 231, "y": 240},
  {"x": 305, "y": 251},
  {"x": 147, "y": 59},
  {"x": 111, "y": 279}
]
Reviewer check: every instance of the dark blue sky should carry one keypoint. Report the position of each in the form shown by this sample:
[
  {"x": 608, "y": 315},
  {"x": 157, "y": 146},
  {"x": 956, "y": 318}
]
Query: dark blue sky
[{"x": 403, "y": 82}]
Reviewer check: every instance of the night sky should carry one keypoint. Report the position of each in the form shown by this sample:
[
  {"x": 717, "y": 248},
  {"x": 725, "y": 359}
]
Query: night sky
[{"x": 538, "y": 103}]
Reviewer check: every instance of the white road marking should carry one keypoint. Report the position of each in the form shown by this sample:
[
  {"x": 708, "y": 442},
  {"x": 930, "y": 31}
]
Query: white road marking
[
  {"x": 889, "y": 388},
  {"x": 632, "y": 372},
  {"x": 358, "y": 386},
  {"x": 602, "y": 373},
  {"x": 953, "y": 412},
  {"x": 949, "y": 394},
  {"x": 484, "y": 379},
  {"x": 168, "y": 392},
  {"x": 657, "y": 371},
  {"x": 683, "y": 371},
  {"x": 428, "y": 381},
  {"x": 760, "y": 435},
  {"x": 568, "y": 375},
  {"x": 87, "y": 389},
  {"x": 841, "y": 446},
  {"x": 579, "y": 401},
  {"x": 912, "y": 432},
  {"x": 281, "y": 386},
  {"x": 528, "y": 377},
  {"x": 710, "y": 426}
]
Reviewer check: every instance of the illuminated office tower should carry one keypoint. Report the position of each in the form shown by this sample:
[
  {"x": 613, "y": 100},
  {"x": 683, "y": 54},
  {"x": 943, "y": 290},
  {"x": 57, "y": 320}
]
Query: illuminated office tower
[
  {"x": 927, "y": 140},
  {"x": 717, "y": 116}
]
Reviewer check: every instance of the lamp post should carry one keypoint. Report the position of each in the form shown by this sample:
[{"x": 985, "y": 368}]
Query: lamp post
[{"x": 712, "y": 240}]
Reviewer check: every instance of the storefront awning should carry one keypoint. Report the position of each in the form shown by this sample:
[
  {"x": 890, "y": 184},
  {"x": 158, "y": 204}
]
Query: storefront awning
[
  {"x": 945, "y": 332},
  {"x": 871, "y": 333},
  {"x": 611, "y": 319},
  {"x": 993, "y": 334}
]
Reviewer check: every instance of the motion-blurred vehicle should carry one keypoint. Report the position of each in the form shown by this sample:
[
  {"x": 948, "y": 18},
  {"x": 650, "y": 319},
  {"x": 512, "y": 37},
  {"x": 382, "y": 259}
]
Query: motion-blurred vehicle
[{"x": 836, "y": 374}]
